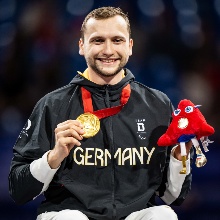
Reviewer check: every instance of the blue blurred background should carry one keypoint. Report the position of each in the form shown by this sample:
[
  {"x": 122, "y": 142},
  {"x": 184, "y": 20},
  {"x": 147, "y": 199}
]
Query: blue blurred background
[{"x": 176, "y": 50}]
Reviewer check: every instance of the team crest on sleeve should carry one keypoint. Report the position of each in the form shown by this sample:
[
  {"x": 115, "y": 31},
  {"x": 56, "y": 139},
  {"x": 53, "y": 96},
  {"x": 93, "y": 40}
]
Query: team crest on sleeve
[
  {"x": 141, "y": 128},
  {"x": 26, "y": 128}
]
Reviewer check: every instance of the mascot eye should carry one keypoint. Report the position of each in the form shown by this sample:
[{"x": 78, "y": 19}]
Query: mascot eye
[
  {"x": 176, "y": 112},
  {"x": 189, "y": 109}
]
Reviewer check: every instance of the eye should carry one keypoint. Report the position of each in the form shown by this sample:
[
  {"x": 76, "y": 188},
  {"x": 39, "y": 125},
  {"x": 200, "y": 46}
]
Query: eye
[
  {"x": 189, "y": 109},
  {"x": 97, "y": 41},
  {"x": 118, "y": 40},
  {"x": 176, "y": 112}
]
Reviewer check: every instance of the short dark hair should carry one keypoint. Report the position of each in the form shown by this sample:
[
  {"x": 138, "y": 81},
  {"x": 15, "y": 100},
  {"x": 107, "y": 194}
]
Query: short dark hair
[{"x": 104, "y": 13}]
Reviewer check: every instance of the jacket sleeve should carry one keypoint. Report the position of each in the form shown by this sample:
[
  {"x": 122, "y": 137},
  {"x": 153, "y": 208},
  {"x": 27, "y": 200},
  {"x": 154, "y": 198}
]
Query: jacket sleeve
[
  {"x": 33, "y": 142},
  {"x": 175, "y": 186}
]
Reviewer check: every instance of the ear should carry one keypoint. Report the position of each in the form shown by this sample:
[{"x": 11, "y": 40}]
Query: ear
[
  {"x": 81, "y": 47},
  {"x": 130, "y": 46}
]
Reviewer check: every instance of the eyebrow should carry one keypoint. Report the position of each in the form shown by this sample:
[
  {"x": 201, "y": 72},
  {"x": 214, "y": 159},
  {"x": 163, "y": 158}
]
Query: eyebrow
[{"x": 101, "y": 37}]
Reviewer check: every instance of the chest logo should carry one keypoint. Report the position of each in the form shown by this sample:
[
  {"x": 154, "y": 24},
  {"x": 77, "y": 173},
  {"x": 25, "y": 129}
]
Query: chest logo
[{"x": 141, "y": 128}]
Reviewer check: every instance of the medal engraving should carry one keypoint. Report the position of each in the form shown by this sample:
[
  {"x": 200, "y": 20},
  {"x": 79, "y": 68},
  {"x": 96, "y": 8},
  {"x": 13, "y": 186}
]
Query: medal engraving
[{"x": 91, "y": 124}]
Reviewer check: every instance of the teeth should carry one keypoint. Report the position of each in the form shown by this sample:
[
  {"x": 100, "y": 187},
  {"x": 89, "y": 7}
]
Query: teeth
[{"x": 108, "y": 61}]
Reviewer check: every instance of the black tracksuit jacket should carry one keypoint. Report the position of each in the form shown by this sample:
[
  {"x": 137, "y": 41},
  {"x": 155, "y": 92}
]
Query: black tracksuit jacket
[{"x": 110, "y": 175}]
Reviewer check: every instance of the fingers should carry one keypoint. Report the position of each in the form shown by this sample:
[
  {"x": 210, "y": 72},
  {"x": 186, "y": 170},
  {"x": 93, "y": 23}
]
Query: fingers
[
  {"x": 69, "y": 133},
  {"x": 68, "y": 142},
  {"x": 70, "y": 128},
  {"x": 69, "y": 122},
  {"x": 61, "y": 150}
]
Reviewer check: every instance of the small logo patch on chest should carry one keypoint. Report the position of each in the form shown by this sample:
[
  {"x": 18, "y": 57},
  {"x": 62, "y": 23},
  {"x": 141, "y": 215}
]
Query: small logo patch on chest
[{"x": 141, "y": 128}]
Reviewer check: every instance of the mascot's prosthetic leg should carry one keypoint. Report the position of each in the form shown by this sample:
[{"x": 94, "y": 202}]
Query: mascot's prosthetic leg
[{"x": 188, "y": 124}]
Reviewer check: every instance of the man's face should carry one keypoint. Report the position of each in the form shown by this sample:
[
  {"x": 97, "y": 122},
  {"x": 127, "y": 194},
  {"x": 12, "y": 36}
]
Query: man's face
[{"x": 106, "y": 45}]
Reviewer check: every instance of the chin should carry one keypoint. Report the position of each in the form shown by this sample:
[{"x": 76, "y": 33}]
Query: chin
[{"x": 110, "y": 72}]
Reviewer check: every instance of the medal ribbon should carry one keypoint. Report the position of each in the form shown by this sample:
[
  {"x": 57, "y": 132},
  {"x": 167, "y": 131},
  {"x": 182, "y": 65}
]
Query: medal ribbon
[{"x": 103, "y": 113}]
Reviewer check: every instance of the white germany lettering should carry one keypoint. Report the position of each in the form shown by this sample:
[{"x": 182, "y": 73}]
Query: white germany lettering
[{"x": 101, "y": 157}]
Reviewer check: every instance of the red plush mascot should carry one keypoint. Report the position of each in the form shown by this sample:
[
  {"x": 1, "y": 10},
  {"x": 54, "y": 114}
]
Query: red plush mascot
[{"x": 188, "y": 124}]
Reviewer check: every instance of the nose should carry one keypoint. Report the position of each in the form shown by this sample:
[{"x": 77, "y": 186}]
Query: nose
[{"x": 108, "y": 48}]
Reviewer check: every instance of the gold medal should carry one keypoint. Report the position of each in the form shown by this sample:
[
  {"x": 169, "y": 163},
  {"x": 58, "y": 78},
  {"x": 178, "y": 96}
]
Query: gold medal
[{"x": 91, "y": 124}]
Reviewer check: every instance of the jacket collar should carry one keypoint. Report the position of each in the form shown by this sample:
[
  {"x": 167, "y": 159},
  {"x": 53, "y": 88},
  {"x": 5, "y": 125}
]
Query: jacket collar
[{"x": 80, "y": 80}]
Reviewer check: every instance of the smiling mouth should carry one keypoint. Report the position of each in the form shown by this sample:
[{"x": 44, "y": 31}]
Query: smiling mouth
[{"x": 108, "y": 61}]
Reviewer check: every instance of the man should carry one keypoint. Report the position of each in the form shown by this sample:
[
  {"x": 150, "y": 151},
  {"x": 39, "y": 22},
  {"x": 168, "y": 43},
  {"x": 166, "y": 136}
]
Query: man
[{"x": 111, "y": 173}]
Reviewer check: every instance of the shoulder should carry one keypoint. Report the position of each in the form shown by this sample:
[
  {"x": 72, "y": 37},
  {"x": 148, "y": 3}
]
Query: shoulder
[
  {"x": 57, "y": 97},
  {"x": 151, "y": 94}
]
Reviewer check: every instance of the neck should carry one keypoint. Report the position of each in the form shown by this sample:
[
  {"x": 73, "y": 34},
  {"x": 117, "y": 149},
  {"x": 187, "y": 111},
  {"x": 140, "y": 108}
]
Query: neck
[{"x": 102, "y": 80}]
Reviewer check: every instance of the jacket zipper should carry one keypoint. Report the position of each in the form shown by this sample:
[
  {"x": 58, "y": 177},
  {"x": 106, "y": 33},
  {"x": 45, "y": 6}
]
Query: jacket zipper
[{"x": 107, "y": 102}]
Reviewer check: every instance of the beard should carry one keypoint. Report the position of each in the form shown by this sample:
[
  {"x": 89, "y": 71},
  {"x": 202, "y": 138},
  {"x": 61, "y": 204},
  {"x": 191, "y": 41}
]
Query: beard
[
  {"x": 105, "y": 73},
  {"x": 101, "y": 72}
]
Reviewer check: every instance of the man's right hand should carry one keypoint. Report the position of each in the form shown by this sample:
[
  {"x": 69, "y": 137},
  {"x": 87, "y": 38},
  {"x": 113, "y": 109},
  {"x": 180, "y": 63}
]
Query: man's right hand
[{"x": 67, "y": 135}]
